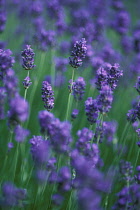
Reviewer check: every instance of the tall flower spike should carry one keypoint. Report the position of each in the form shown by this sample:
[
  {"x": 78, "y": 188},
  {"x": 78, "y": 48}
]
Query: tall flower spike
[
  {"x": 47, "y": 95},
  {"x": 28, "y": 58},
  {"x": 78, "y": 53}
]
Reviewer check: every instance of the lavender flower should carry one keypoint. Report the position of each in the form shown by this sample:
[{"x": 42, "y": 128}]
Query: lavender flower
[
  {"x": 64, "y": 179},
  {"x": 109, "y": 130},
  {"x": 126, "y": 170},
  {"x": 78, "y": 88},
  {"x": 74, "y": 114},
  {"x": 2, "y": 21},
  {"x": 11, "y": 84},
  {"x": 58, "y": 132},
  {"x": 105, "y": 99},
  {"x": 91, "y": 109},
  {"x": 108, "y": 75},
  {"x": 40, "y": 149},
  {"x": 28, "y": 58},
  {"x": 6, "y": 62},
  {"x": 18, "y": 111},
  {"x": 47, "y": 95},
  {"x": 27, "y": 82},
  {"x": 12, "y": 196},
  {"x": 20, "y": 133},
  {"x": 137, "y": 86},
  {"x": 78, "y": 53}
]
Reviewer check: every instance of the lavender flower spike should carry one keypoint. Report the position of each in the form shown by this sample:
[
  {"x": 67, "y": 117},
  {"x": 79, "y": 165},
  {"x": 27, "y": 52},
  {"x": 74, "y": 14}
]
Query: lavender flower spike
[
  {"x": 28, "y": 58},
  {"x": 78, "y": 53},
  {"x": 47, "y": 95}
]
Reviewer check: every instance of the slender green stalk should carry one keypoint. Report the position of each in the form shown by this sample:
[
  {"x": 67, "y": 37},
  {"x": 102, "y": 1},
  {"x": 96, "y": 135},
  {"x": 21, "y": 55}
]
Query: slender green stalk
[{"x": 69, "y": 98}]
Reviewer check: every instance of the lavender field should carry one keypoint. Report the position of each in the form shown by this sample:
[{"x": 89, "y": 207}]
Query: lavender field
[{"x": 70, "y": 105}]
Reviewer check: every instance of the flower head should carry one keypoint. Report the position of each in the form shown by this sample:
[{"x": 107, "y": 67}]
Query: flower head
[{"x": 28, "y": 58}]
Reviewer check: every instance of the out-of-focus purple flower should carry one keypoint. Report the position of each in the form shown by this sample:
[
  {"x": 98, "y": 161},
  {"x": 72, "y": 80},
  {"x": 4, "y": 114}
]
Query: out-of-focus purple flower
[
  {"x": 2, "y": 102},
  {"x": 117, "y": 4},
  {"x": 47, "y": 95},
  {"x": 109, "y": 130},
  {"x": 122, "y": 21},
  {"x": 18, "y": 110},
  {"x": 27, "y": 82},
  {"x": 10, "y": 146},
  {"x": 51, "y": 164},
  {"x": 86, "y": 147},
  {"x": 12, "y": 196},
  {"x": 91, "y": 109},
  {"x": 101, "y": 78},
  {"x": 138, "y": 143},
  {"x": 74, "y": 114},
  {"x": 41, "y": 175},
  {"x": 36, "y": 8},
  {"x": 20, "y": 133},
  {"x": 126, "y": 170},
  {"x": 134, "y": 114},
  {"x": 137, "y": 176},
  {"x": 136, "y": 38},
  {"x": 2, "y": 20},
  {"x": 45, "y": 39},
  {"x": 2, "y": 44},
  {"x": 78, "y": 53},
  {"x": 137, "y": 86},
  {"x": 40, "y": 149},
  {"x": 99, "y": 133},
  {"x": 88, "y": 199},
  {"x": 64, "y": 179},
  {"x": 61, "y": 64},
  {"x": 11, "y": 84},
  {"x": 45, "y": 119},
  {"x": 126, "y": 43},
  {"x": 6, "y": 62},
  {"x": 57, "y": 199},
  {"x": 105, "y": 99},
  {"x": 78, "y": 88},
  {"x": 58, "y": 132},
  {"x": 28, "y": 58}
]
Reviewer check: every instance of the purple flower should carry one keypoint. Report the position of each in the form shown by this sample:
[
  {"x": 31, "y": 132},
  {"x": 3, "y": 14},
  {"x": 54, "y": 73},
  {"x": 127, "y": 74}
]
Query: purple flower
[
  {"x": 64, "y": 179},
  {"x": 13, "y": 196},
  {"x": 2, "y": 20},
  {"x": 78, "y": 53},
  {"x": 78, "y": 88},
  {"x": 27, "y": 82},
  {"x": 20, "y": 133},
  {"x": 61, "y": 64},
  {"x": 105, "y": 99},
  {"x": 88, "y": 199},
  {"x": 91, "y": 109},
  {"x": 11, "y": 84},
  {"x": 109, "y": 130},
  {"x": 74, "y": 114},
  {"x": 18, "y": 110},
  {"x": 137, "y": 86},
  {"x": 6, "y": 61},
  {"x": 47, "y": 95},
  {"x": 108, "y": 75},
  {"x": 126, "y": 170},
  {"x": 58, "y": 132},
  {"x": 40, "y": 149},
  {"x": 28, "y": 58}
]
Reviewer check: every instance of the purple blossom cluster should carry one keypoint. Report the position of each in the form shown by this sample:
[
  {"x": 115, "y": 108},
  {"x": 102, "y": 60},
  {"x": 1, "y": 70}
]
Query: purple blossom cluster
[
  {"x": 78, "y": 53},
  {"x": 58, "y": 132},
  {"x": 47, "y": 95},
  {"x": 78, "y": 88},
  {"x": 28, "y": 58}
]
